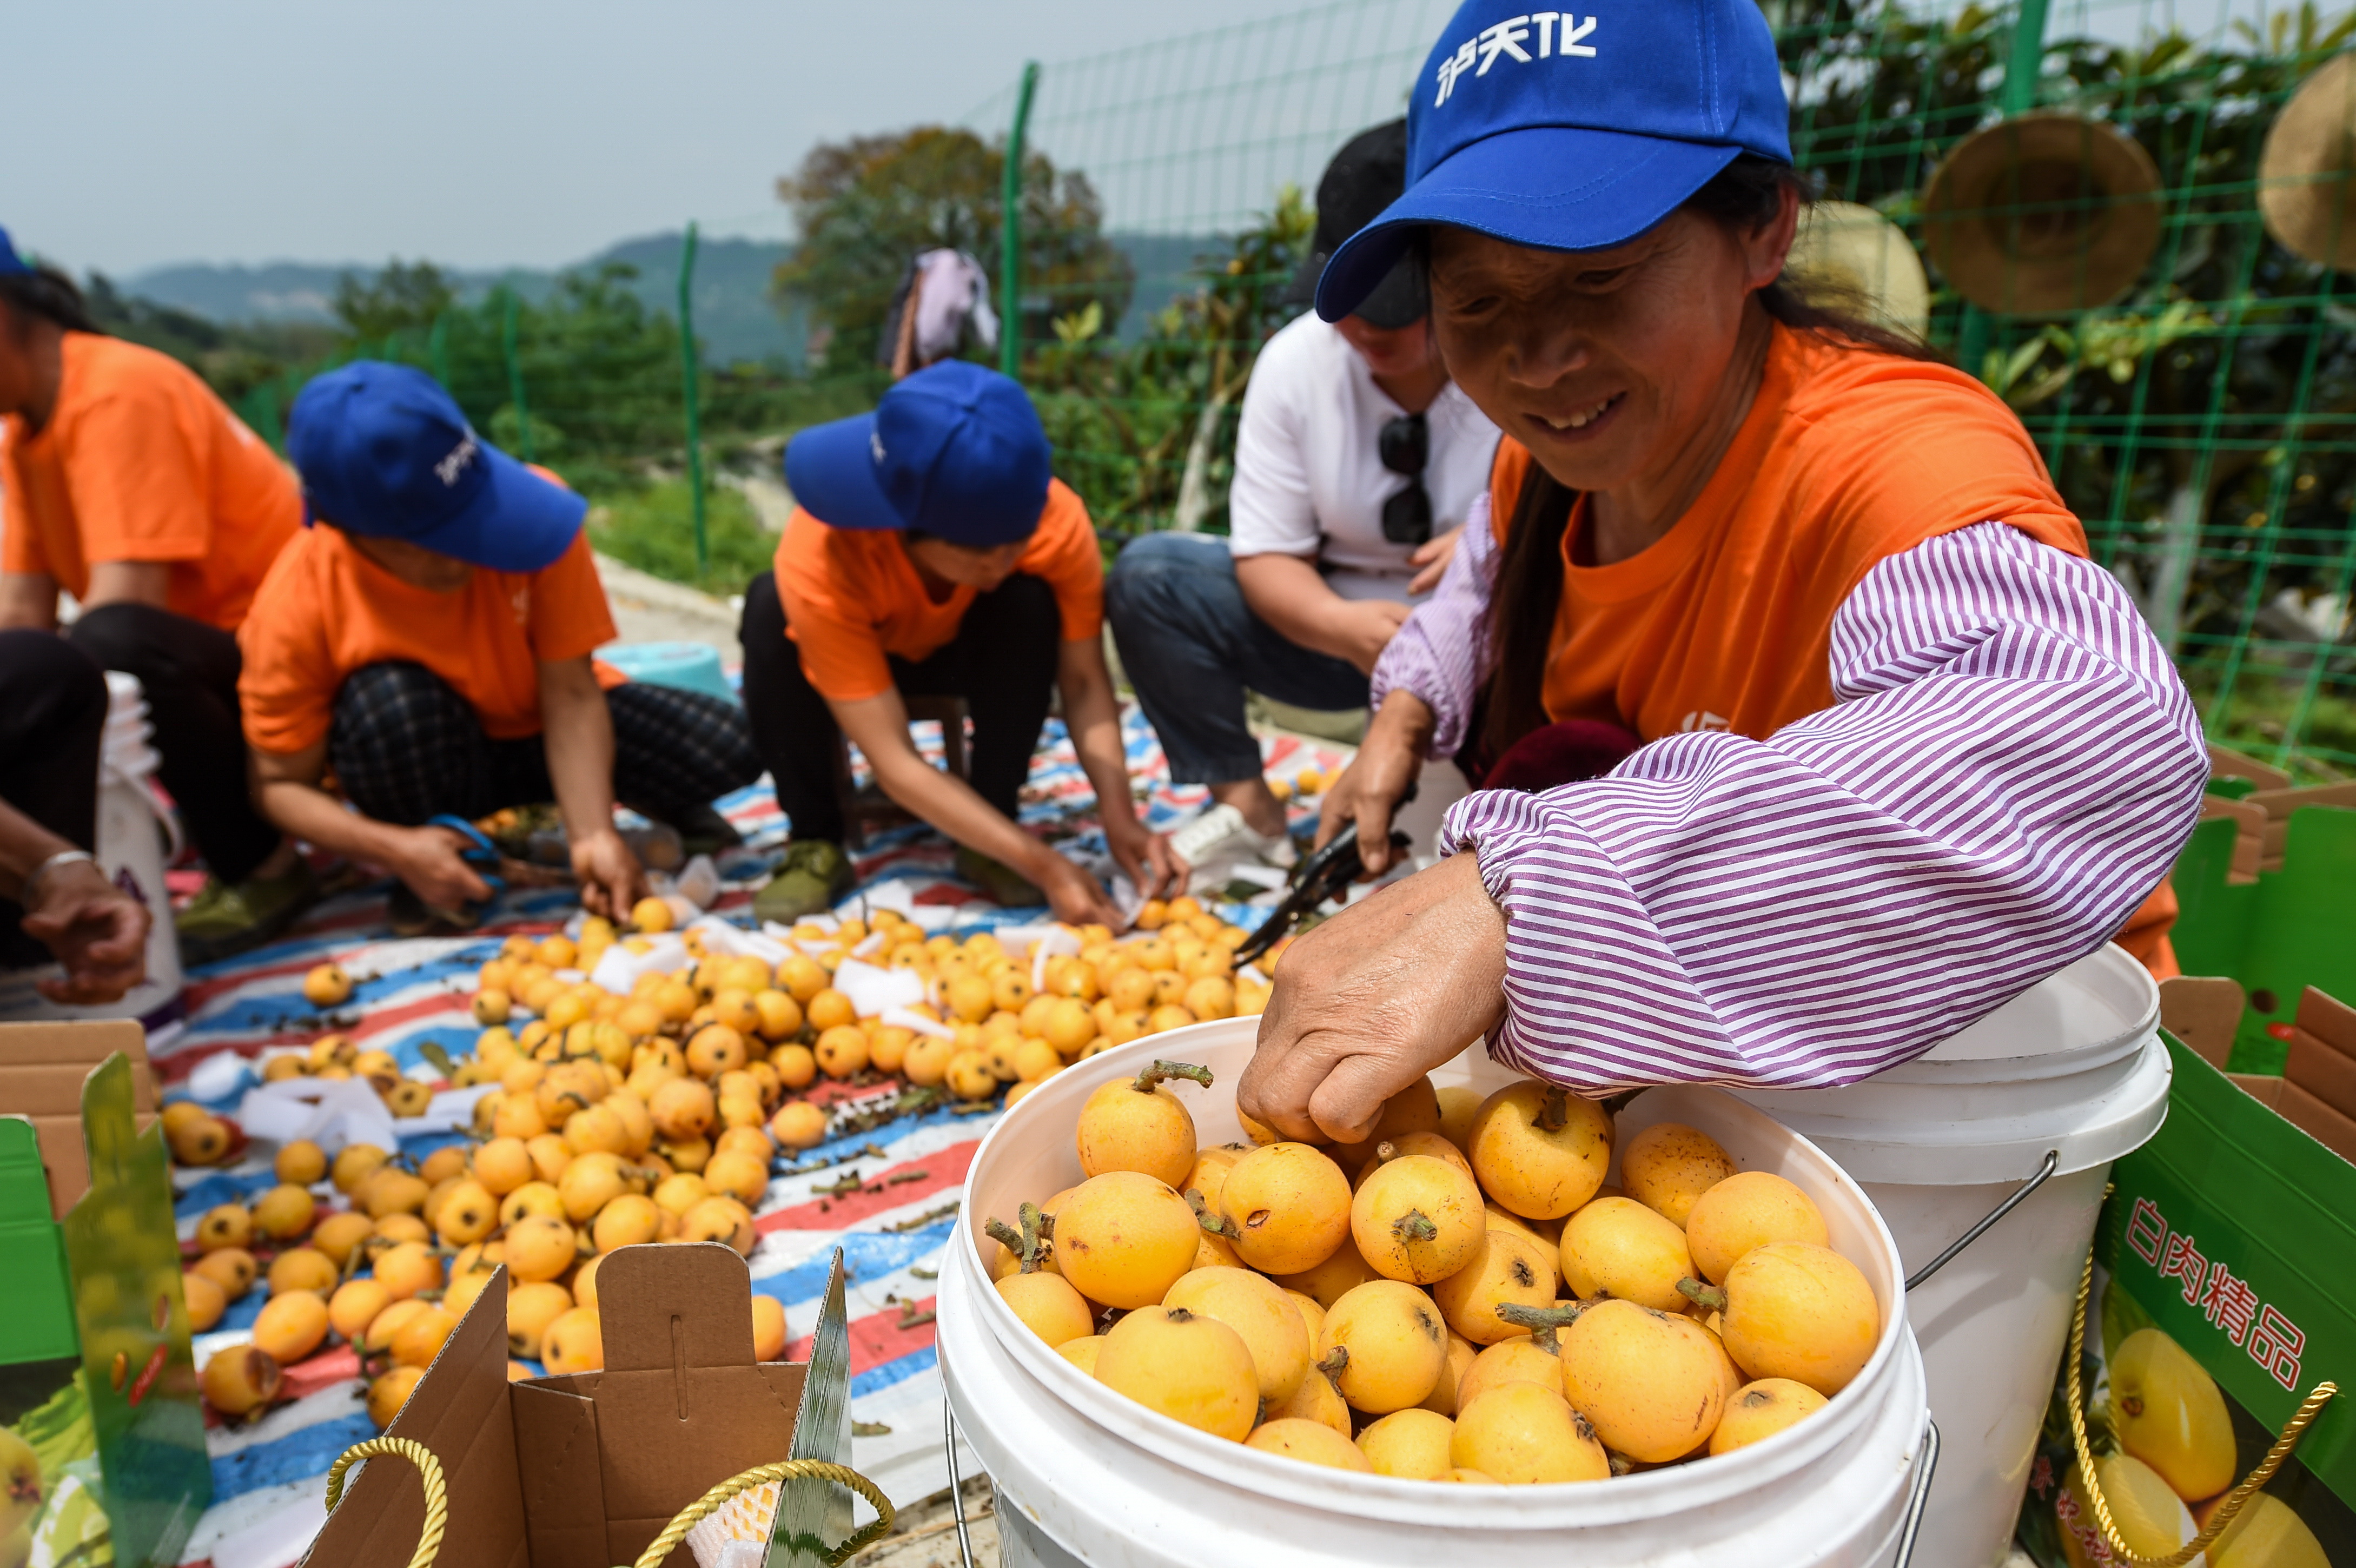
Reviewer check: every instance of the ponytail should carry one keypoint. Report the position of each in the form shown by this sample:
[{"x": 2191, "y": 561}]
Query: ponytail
[{"x": 48, "y": 294}]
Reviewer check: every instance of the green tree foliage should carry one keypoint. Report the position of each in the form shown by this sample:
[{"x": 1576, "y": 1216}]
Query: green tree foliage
[
  {"x": 233, "y": 360},
  {"x": 403, "y": 295},
  {"x": 867, "y": 206}
]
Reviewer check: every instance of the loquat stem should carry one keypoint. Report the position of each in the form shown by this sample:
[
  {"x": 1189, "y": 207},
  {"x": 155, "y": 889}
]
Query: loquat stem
[
  {"x": 1415, "y": 1226},
  {"x": 1216, "y": 1224},
  {"x": 1701, "y": 1295},
  {"x": 1543, "y": 1322},
  {"x": 1335, "y": 1360},
  {"x": 1005, "y": 1235},
  {"x": 1386, "y": 1152},
  {"x": 1160, "y": 1070},
  {"x": 1037, "y": 1227},
  {"x": 1555, "y": 1114}
]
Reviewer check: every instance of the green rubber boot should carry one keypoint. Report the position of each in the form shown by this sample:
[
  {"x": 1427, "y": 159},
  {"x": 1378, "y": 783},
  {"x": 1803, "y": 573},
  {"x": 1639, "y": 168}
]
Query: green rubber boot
[
  {"x": 223, "y": 920},
  {"x": 814, "y": 874},
  {"x": 1009, "y": 887}
]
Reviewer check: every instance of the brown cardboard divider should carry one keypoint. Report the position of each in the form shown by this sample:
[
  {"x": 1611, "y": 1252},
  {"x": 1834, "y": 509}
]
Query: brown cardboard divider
[
  {"x": 2204, "y": 1012},
  {"x": 42, "y": 1069},
  {"x": 582, "y": 1471}
]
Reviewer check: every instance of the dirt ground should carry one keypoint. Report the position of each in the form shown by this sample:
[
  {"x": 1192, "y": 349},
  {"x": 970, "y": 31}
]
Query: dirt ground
[{"x": 926, "y": 1536}]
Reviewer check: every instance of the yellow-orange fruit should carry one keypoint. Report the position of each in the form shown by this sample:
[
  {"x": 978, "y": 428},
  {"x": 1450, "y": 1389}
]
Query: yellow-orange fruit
[
  {"x": 395, "y": 1229},
  {"x": 1667, "y": 1166},
  {"x": 1800, "y": 1311},
  {"x": 1616, "y": 1247},
  {"x": 503, "y": 1165},
  {"x": 409, "y": 1268},
  {"x": 205, "y": 1299},
  {"x": 390, "y": 1392},
  {"x": 1462, "y": 1353},
  {"x": 718, "y": 1219},
  {"x": 1459, "y": 1104},
  {"x": 302, "y": 1269},
  {"x": 842, "y": 1051},
  {"x": 1124, "y": 1127},
  {"x": 1316, "y": 1399},
  {"x": 326, "y": 985},
  {"x": 1311, "y": 1443},
  {"x": 1504, "y": 1267},
  {"x": 1123, "y": 1239},
  {"x": 392, "y": 1192},
  {"x": 539, "y": 1247},
  {"x": 1412, "y": 1444},
  {"x": 291, "y": 1325},
  {"x": 1521, "y": 1361},
  {"x": 355, "y": 1306},
  {"x": 467, "y": 1214},
  {"x": 589, "y": 1183},
  {"x": 630, "y": 1221},
  {"x": 340, "y": 1235},
  {"x": 682, "y": 1108},
  {"x": 354, "y": 1164},
  {"x": 1193, "y": 1369},
  {"x": 1393, "y": 1346},
  {"x": 420, "y": 1339},
  {"x": 1082, "y": 1353},
  {"x": 573, "y": 1342},
  {"x": 225, "y": 1225},
  {"x": 1539, "y": 1150},
  {"x": 1334, "y": 1278},
  {"x": 1418, "y": 1218},
  {"x": 231, "y": 1268},
  {"x": 463, "y": 1292},
  {"x": 970, "y": 1078},
  {"x": 240, "y": 1380},
  {"x": 301, "y": 1163},
  {"x": 1749, "y": 1209},
  {"x": 530, "y": 1309},
  {"x": 1522, "y": 1435},
  {"x": 829, "y": 1008},
  {"x": 1761, "y": 1410},
  {"x": 798, "y": 1124},
  {"x": 1260, "y": 1313},
  {"x": 1048, "y": 1306},
  {"x": 738, "y": 1174},
  {"x": 1648, "y": 1382},
  {"x": 1289, "y": 1206}
]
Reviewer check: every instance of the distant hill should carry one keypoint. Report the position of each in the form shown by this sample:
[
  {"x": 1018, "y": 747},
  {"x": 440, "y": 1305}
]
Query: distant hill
[{"x": 734, "y": 314}]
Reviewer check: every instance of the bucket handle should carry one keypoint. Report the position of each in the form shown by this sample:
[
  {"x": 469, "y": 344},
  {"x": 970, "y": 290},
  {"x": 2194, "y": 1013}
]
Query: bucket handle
[
  {"x": 2044, "y": 1173},
  {"x": 956, "y": 1486},
  {"x": 1918, "y": 1496},
  {"x": 2234, "y": 1500}
]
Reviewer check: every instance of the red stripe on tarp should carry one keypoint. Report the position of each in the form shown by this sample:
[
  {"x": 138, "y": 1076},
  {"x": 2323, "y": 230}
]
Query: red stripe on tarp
[
  {"x": 828, "y": 1092},
  {"x": 880, "y": 1194},
  {"x": 308, "y": 1376},
  {"x": 176, "y": 1067},
  {"x": 877, "y": 1340}
]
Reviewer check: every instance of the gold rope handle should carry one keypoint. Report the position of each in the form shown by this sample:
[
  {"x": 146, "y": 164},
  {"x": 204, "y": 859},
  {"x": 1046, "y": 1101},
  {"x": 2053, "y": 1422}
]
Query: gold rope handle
[
  {"x": 429, "y": 1471},
  {"x": 696, "y": 1512},
  {"x": 2218, "y": 1521}
]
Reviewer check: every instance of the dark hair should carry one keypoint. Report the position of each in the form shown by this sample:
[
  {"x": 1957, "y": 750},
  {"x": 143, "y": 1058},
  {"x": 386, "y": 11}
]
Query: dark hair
[
  {"x": 49, "y": 294},
  {"x": 1527, "y": 598}
]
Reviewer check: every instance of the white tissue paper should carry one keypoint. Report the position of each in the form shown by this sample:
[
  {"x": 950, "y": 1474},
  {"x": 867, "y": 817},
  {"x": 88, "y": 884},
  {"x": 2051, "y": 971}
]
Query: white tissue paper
[{"x": 873, "y": 990}]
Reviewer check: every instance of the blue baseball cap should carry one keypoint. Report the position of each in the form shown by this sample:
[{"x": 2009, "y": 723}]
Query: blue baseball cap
[
  {"x": 384, "y": 452},
  {"x": 1571, "y": 132},
  {"x": 954, "y": 450},
  {"x": 10, "y": 262}
]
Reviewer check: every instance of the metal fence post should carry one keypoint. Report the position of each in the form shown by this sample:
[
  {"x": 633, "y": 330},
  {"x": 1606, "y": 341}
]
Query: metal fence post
[
  {"x": 515, "y": 379},
  {"x": 694, "y": 423},
  {"x": 2017, "y": 96},
  {"x": 437, "y": 348},
  {"x": 1010, "y": 232}
]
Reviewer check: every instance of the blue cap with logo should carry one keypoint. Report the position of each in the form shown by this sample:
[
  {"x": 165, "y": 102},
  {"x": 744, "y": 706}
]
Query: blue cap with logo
[
  {"x": 1566, "y": 131},
  {"x": 955, "y": 451},
  {"x": 384, "y": 452},
  {"x": 10, "y": 262}
]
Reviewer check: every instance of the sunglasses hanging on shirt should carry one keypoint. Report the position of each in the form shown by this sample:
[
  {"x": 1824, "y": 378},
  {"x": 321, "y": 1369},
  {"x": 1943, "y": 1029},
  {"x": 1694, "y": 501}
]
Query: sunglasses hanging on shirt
[{"x": 1405, "y": 447}]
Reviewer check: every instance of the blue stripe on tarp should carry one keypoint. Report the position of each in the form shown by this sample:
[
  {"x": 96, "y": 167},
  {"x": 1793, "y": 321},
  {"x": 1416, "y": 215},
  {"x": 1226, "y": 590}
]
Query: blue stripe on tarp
[
  {"x": 852, "y": 1145},
  {"x": 222, "y": 1187},
  {"x": 458, "y": 1039},
  {"x": 242, "y": 1313},
  {"x": 875, "y": 1379},
  {"x": 866, "y": 1255},
  {"x": 297, "y": 1457}
]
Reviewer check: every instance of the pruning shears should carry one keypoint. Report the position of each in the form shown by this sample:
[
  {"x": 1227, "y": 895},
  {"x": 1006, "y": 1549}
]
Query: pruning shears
[
  {"x": 1324, "y": 874},
  {"x": 479, "y": 853}
]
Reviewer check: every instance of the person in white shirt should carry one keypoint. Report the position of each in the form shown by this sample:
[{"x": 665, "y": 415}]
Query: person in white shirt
[{"x": 1356, "y": 459}]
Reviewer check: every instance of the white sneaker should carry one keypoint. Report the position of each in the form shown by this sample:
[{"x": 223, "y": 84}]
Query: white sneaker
[{"x": 1219, "y": 841}]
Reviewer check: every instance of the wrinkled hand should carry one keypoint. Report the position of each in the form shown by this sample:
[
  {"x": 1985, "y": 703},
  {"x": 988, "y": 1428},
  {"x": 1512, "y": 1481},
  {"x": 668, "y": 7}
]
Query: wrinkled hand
[
  {"x": 611, "y": 878},
  {"x": 96, "y": 929},
  {"x": 1371, "y": 788},
  {"x": 427, "y": 860},
  {"x": 1075, "y": 898},
  {"x": 1364, "y": 627},
  {"x": 1374, "y": 998},
  {"x": 1432, "y": 557},
  {"x": 1145, "y": 856}
]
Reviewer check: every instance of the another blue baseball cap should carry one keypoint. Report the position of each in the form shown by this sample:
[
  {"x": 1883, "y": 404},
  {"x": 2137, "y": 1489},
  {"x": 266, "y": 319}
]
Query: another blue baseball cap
[
  {"x": 383, "y": 451},
  {"x": 10, "y": 262},
  {"x": 954, "y": 450},
  {"x": 1564, "y": 130}
]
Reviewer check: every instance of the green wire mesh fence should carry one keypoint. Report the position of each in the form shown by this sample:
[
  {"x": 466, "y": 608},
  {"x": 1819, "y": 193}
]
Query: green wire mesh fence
[{"x": 2189, "y": 379}]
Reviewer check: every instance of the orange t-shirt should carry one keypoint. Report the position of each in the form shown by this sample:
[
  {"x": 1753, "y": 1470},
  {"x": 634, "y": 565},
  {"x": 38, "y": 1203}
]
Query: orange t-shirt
[
  {"x": 1846, "y": 459},
  {"x": 852, "y": 596},
  {"x": 140, "y": 461},
  {"x": 325, "y": 609}
]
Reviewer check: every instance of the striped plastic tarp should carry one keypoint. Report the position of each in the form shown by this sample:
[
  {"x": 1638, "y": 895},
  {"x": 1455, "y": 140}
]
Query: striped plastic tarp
[{"x": 269, "y": 1478}]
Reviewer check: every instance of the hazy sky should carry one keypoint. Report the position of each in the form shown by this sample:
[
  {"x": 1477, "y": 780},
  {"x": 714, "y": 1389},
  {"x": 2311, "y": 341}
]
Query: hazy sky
[{"x": 490, "y": 133}]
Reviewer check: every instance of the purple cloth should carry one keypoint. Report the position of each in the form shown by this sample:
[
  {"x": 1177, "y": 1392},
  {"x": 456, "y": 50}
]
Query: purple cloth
[
  {"x": 2011, "y": 766},
  {"x": 1436, "y": 653}
]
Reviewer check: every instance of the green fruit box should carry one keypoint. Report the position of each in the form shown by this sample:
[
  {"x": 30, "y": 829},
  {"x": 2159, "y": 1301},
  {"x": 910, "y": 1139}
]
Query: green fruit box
[
  {"x": 2225, "y": 1292},
  {"x": 102, "y": 1435}
]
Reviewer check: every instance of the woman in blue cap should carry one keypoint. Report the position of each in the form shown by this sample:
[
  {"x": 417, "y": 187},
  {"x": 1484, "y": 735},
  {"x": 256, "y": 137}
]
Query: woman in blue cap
[
  {"x": 1900, "y": 748},
  {"x": 428, "y": 638},
  {"x": 931, "y": 553}
]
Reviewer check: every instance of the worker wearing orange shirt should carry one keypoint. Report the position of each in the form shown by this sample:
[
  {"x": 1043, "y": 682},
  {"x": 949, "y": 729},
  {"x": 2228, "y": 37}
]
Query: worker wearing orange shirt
[
  {"x": 130, "y": 486},
  {"x": 429, "y": 641},
  {"x": 931, "y": 553}
]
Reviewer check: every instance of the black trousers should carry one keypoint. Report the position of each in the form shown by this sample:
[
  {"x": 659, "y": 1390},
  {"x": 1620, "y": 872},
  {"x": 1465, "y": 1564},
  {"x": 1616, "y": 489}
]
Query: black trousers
[
  {"x": 52, "y": 711},
  {"x": 190, "y": 670},
  {"x": 405, "y": 746},
  {"x": 1002, "y": 662}
]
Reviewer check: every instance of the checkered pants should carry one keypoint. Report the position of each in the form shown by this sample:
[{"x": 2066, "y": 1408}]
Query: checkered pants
[{"x": 406, "y": 748}]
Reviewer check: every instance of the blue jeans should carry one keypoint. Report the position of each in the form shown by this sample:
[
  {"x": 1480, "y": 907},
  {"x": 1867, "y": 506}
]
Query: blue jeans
[{"x": 1189, "y": 645}]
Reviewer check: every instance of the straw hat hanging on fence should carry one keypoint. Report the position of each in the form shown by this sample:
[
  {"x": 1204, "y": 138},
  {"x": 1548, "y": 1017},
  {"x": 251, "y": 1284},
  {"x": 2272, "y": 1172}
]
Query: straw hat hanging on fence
[
  {"x": 1852, "y": 258},
  {"x": 2043, "y": 212},
  {"x": 2304, "y": 190}
]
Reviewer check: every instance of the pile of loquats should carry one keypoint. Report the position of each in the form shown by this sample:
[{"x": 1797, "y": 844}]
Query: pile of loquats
[{"x": 1460, "y": 1298}]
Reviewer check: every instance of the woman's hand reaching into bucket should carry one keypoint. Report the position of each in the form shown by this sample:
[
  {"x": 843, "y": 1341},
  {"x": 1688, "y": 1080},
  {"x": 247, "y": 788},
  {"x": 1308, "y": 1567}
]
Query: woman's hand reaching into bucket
[{"x": 1374, "y": 998}]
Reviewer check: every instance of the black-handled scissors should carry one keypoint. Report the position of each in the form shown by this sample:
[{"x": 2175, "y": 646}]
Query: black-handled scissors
[{"x": 1324, "y": 874}]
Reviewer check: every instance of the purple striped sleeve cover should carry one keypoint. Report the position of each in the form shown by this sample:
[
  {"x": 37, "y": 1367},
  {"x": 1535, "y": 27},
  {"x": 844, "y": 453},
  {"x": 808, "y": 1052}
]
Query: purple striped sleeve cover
[
  {"x": 1437, "y": 653},
  {"x": 2012, "y": 766}
]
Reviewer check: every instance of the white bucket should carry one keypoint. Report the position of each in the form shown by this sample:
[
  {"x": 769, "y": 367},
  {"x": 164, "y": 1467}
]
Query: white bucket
[
  {"x": 1085, "y": 1476},
  {"x": 2073, "y": 1067}
]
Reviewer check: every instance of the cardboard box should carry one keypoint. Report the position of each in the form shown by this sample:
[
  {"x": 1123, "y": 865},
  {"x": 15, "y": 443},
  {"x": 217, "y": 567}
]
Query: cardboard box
[
  {"x": 2204, "y": 1012},
  {"x": 584, "y": 1471},
  {"x": 96, "y": 1377}
]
